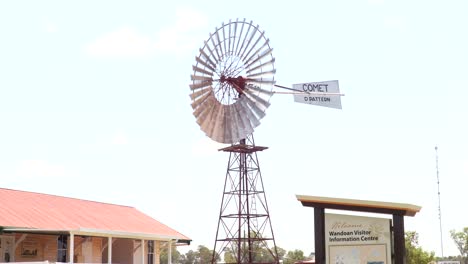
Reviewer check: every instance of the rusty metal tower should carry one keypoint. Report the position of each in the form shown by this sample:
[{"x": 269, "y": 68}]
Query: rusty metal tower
[{"x": 245, "y": 233}]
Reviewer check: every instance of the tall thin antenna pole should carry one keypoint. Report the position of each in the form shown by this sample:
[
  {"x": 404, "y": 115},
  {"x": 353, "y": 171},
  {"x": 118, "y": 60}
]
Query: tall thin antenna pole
[{"x": 440, "y": 211}]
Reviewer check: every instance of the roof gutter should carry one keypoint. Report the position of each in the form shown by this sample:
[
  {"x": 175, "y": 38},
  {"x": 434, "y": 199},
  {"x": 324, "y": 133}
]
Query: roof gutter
[{"x": 100, "y": 233}]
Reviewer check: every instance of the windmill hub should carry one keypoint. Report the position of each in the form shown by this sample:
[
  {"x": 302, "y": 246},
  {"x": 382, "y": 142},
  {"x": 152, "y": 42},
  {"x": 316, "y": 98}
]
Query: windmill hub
[{"x": 237, "y": 82}]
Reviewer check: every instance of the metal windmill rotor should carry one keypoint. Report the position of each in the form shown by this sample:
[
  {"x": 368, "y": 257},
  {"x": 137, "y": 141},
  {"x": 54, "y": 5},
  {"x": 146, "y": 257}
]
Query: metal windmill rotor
[{"x": 232, "y": 81}]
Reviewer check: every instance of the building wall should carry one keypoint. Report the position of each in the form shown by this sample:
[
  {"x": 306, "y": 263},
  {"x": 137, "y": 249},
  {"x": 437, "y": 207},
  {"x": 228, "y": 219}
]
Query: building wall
[
  {"x": 30, "y": 247},
  {"x": 37, "y": 248},
  {"x": 122, "y": 251},
  {"x": 137, "y": 252},
  {"x": 157, "y": 252},
  {"x": 88, "y": 249},
  {"x": 33, "y": 247}
]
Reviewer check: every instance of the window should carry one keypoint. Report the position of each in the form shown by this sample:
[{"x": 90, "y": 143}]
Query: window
[
  {"x": 150, "y": 252},
  {"x": 62, "y": 248}
]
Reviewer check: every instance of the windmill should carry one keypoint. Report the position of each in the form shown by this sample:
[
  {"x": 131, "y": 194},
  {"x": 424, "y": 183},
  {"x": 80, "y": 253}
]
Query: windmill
[{"x": 232, "y": 83}]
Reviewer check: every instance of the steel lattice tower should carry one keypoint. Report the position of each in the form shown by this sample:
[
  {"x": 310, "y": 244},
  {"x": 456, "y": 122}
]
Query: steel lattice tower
[{"x": 244, "y": 229}]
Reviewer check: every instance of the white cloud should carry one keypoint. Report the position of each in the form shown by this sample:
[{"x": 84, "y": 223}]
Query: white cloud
[
  {"x": 120, "y": 138},
  {"x": 395, "y": 22},
  {"x": 37, "y": 168},
  {"x": 48, "y": 26},
  {"x": 376, "y": 2},
  {"x": 51, "y": 27},
  {"x": 109, "y": 142},
  {"x": 124, "y": 42},
  {"x": 189, "y": 19},
  {"x": 206, "y": 147},
  {"x": 182, "y": 37},
  {"x": 127, "y": 42}
]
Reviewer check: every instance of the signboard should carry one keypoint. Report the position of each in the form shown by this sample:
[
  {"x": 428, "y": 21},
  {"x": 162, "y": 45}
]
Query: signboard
[
  {"x": 357, "y": 240},
  {"x": 318, "y": 93}
]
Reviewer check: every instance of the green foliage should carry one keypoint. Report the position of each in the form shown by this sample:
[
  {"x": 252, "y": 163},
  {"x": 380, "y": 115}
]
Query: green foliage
[
  {"x": 203, "y": 255},
  {"x": 175, "y": 254},
  {"x": 293, "y": 256},
  {"x": 461, "y": 240},
  {"x": 259, "y": 252},
  {"x": 414, "y": 253},
  {"x": 281, "y": 252}
]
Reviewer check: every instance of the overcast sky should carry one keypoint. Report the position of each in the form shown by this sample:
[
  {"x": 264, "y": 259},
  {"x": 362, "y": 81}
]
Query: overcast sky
[{"x": 94, "y": 104}]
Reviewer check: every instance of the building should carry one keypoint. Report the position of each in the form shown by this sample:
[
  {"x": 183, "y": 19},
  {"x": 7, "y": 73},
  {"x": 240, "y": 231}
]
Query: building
[{"x": 41, "y": 227}]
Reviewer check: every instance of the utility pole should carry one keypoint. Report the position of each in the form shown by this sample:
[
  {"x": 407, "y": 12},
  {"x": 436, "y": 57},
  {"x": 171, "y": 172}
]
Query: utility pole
[{"x": 440, "y": 211}]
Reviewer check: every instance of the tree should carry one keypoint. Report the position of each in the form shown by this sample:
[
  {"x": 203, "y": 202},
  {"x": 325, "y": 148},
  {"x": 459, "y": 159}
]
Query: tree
[
  {"x": 281, "y": 252},
  {"x": 461, "y": 240},
  {"x": 175, "y": 254},
  {"x": 414, "y": 253},
  {"x": 189, "y": 257},
  {"x": 293, "y": 256},
  {"x": 259, "y": 252},
  {"x": 203, "y": 255}
]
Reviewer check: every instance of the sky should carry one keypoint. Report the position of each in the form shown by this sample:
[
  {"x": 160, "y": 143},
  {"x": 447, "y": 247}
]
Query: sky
[{"x": 94, "y": 104}]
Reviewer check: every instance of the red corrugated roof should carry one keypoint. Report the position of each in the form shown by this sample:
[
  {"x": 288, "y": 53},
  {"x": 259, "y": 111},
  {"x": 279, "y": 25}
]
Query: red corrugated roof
[{"x": 21, "y": 209}]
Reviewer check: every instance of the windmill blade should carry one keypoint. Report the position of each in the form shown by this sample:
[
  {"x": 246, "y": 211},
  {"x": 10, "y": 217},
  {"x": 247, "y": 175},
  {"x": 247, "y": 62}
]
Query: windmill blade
[
  {"x": 202, "y": 117},
  {"x": 200, "y": 84},
  {"x": 261, "y": 56},
  {"x": 263, "y": 73},
  {"x": 199, "y": 110},
  {"x": 201, "y": 78},
  {"x": 208, "y": 57},
  {"x": 260, "y": 90},
  {"x": 264, "y": 104},
  {"x": 224, "y": 40},
  {"x": 261, "y": 66},
  {"x": 242, "y": 117},
  {"x": 237, "y": 126},
  {"x": 242, "y": 128},
  {"x": 244, "y": 37},
  {"x": 228, "y": 127},
  {"x": 219, "y": 46},
  {"x": 252, "y": 35},
  {"x": 253, "y": 46},
  {"x": 269, "y": 81},
  {"x": 232, "y": 35},
  {"x": 196, "y": 103},
  {"x": 205, "y": 112},
  {"x": 200, "y": 70},
  {"x": 217, "y": 59},
  {"x": 207, "y": 124},
  {"x": 218, "y": 129},
  {"x": 253, "y": 119},
  {"x": 201, "y": 92},
  {"x": 240, "y": 36},
  {"x": 202, "y": 62},
  {"x": 229, "y": 37},
  {"x": 255, "y": 109}
]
